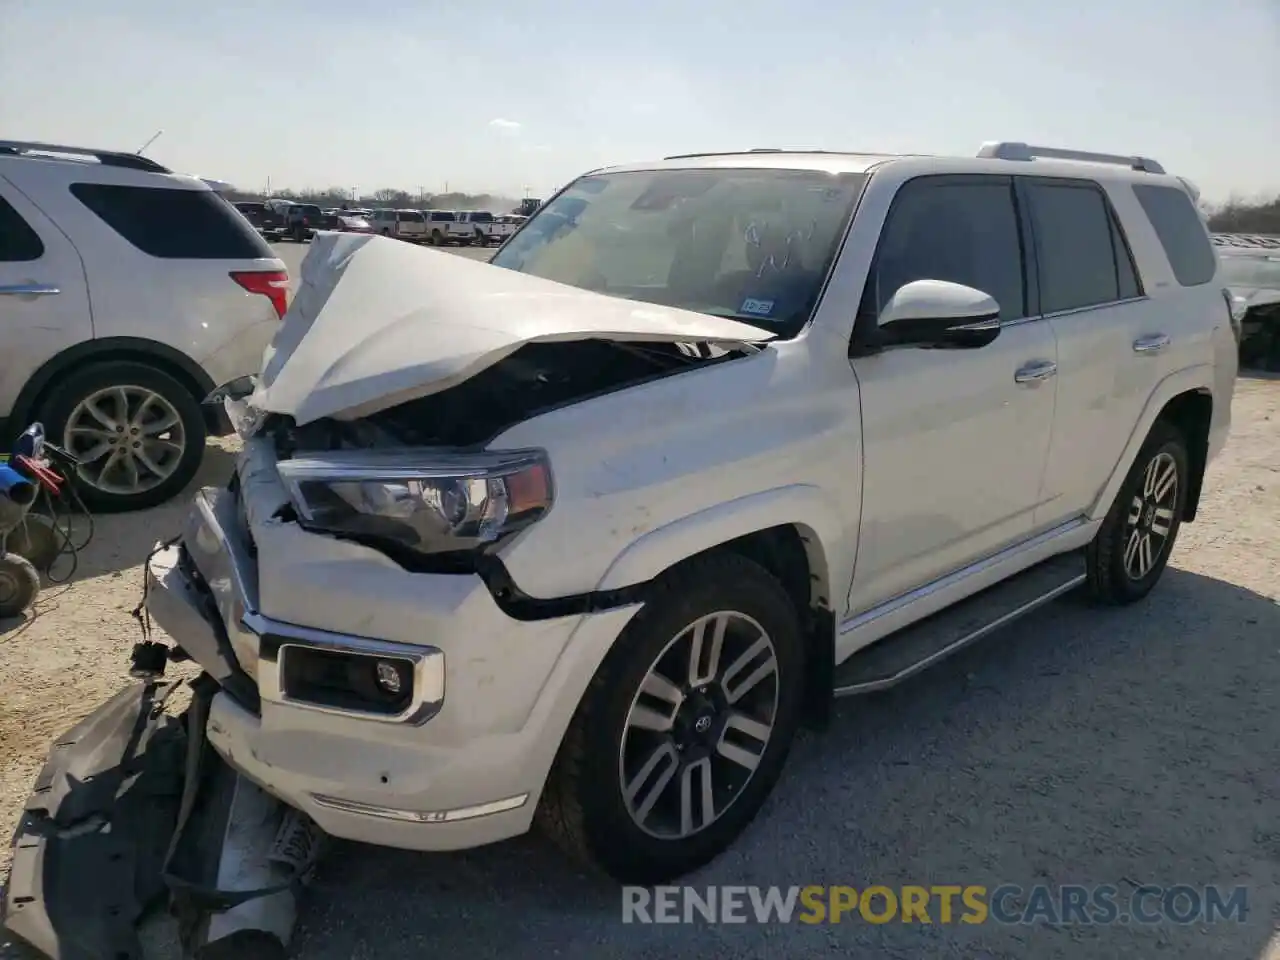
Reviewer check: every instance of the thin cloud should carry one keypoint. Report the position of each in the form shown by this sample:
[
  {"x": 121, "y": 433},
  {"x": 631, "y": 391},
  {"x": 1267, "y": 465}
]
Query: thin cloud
[{"x": 504, "y": 126}]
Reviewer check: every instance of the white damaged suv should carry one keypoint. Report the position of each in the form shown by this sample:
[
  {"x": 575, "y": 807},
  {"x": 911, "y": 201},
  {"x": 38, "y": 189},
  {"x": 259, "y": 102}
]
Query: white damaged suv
[{"x": 582, "y": 536}]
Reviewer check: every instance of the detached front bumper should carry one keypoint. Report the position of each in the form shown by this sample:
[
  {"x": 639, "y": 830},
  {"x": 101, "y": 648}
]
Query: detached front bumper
[{"x": 462, "y": 766}]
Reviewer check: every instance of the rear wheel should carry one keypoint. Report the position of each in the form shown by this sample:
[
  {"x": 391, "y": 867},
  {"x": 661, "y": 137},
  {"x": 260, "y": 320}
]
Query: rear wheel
[
  {"x": 19, "y": 585},
  {"x": 138, "y": 433},
  {"x": 437, "y": 239},
  {"x": 1132, "y": 547},
  {"x": 684, "y": 730}
]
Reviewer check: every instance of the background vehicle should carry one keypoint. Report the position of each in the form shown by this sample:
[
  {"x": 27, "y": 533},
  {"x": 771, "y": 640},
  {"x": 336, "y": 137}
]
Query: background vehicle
[
  {"x": 128, "y": 293},
  {"x": 528, "y": 207},
  {"x": 302, "y": 220},
  {"x": 444, "y": 228},
  {"x": 401, "y": 224},
  {"x": 504, "y": 226},
  {"x": 349, "y": 221},
  {"x": 263, "y": 218},
  {"x": 1251, "y": 270},
  {"x": 482, "y": 223}
]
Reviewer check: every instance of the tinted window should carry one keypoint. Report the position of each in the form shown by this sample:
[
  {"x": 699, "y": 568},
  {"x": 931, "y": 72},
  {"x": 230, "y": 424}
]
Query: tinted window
[
  {"x": 1130, "y": 285},
  {"x": 1074, "y": 240},
  {"x": 18, "y": 242},
  {"x": 440, "y": 215},
  {"x": 248, "y": 208},
  {"x": 174, "y": 224},
  {"x": 482, "y": 217},
  {"x": 964, "y": 231},
  {"x": 311, "y": 211},
  {"x": 411, "y": 216},
  {"x": 1181, "y": 231}
]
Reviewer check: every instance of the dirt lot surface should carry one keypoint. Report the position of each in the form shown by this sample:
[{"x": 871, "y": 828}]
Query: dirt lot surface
[{"x": 1126, "y": 747}]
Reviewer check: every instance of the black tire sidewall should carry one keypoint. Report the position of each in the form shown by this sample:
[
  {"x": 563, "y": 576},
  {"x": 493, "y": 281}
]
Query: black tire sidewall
[
  {"x": 1164, "y": 439},
  {"x": 55, "y": 411},
  {"x": 621, "y": 847},
  {"x": 27, "y": 580}
]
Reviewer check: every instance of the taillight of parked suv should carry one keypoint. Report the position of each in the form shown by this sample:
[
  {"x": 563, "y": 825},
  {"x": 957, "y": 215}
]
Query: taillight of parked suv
[{"x": 272, "y": 284}]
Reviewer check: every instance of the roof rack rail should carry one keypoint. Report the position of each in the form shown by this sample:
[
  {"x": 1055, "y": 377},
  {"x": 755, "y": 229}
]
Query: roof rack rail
[
  {"x": 1013, "y": 150},
  {"x": 108, "y": 158}
]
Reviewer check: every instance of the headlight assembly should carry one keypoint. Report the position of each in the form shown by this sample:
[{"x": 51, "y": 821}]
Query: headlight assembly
[{"x": 425, "y": 501}]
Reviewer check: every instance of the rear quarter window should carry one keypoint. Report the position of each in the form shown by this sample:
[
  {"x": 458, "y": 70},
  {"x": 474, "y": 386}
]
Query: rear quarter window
[
  {"x": 1181, "y": 231},
  {"x": 18, "y": 242},
  {"x": 174, "y": 224}
]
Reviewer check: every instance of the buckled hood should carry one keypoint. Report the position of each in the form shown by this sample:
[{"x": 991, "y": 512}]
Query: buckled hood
[{"x": 377, "y": 322}]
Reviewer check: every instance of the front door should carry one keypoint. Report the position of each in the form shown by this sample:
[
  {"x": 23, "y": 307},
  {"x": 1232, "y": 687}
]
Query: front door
[
  {"x": 954, "y": 441},
  {"x": 44, "y": 300}
]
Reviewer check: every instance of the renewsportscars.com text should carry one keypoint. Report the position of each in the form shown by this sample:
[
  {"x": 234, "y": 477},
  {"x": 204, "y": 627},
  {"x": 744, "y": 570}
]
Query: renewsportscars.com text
[{"x": 943, "y": 904}]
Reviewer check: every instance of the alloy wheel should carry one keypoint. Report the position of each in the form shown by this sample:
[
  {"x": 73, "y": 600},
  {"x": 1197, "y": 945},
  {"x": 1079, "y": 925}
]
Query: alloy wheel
[
  {"x": 699, "y": 725},
  {"x": 1150, "y": 518},
  {"x": 128, "y": 439}
]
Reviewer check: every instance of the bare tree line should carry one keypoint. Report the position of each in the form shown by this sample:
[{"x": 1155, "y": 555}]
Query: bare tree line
[{"x": 1240, "y": 216}]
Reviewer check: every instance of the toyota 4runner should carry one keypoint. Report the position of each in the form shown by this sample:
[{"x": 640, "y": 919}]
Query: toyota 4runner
[{"x": 582, "y": 536}]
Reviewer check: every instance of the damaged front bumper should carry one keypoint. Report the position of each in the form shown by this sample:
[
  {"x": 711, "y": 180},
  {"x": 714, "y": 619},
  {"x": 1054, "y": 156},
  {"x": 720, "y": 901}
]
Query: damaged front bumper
[{"x": 457, "y": 763}]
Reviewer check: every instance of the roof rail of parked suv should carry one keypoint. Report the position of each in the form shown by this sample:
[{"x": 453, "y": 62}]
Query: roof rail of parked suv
[
  {"x": 108, "y": 158},
  {"x": 1013, "y": 150}
]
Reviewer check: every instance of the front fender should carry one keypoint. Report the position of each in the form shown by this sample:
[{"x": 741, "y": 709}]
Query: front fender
[
  {"x": 1195, "y": 378},
  {"x": 804, "y": 505}
]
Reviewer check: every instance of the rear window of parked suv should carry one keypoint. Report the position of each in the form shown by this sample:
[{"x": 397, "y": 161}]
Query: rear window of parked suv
[
  {"x": 438, "y": 215},
  {"x": 1181, "y": 231},
  {"x": 174, "y": 224}
]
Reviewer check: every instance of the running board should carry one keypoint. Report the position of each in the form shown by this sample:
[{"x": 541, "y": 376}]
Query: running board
[{"x": 915, "y": 648}]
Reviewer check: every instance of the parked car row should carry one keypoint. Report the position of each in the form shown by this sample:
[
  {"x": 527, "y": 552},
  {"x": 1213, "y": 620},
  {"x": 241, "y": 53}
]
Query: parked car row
[
  {"x": 290, "y": 220},
  {"x": 1251, "y": 270}
]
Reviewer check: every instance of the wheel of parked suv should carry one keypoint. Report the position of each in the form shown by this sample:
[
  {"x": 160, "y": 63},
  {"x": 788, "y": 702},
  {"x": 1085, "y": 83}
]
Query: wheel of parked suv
[
  {"x": 685, "y": 728},
  {"x": 1132, "y": 547},
  {"x": 139, "y": 434},
  {"x": 437, "y": 238}
]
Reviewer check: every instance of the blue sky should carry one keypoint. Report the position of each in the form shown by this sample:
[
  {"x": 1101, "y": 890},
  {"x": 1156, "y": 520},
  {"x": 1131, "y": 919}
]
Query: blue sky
[{"x": 507, "y": 94}]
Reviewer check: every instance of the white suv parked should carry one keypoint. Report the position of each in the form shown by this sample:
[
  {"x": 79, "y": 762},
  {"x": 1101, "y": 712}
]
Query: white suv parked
[
  {"x": 584, "y": 535},
  {"x": 127, "y": 293}
]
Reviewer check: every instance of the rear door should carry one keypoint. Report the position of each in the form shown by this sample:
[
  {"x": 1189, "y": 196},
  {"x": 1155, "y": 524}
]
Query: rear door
[
  {"x": 1122, "y": 324},
  {"x": 44, "y": 299}
]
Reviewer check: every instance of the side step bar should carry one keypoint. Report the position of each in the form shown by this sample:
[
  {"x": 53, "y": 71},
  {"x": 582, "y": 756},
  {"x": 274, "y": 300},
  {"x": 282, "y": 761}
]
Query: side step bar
[{"x": 915, "y": 648}]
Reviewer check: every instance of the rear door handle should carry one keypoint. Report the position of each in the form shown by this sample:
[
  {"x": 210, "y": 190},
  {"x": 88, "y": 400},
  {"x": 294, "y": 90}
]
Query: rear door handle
[
  {"x": 29, "y": 290},
  {"x": 1036, "y": 372},
  {"x": 1152, "y": 344}
]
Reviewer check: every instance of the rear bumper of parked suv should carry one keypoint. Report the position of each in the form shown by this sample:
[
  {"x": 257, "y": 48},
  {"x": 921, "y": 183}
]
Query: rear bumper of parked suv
[{"x": 461, "y": 765}]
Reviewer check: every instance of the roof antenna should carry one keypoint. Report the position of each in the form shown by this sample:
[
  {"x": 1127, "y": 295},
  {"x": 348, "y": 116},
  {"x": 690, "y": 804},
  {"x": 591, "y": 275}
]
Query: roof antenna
[{"x": 154, "y": 137}]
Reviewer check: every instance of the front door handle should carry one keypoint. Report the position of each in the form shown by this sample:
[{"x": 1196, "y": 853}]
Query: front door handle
[
  {"x": 1036, "y": 372},
  {"x": 1152, "y": 344},
  {"x": 29, "y": 290}
]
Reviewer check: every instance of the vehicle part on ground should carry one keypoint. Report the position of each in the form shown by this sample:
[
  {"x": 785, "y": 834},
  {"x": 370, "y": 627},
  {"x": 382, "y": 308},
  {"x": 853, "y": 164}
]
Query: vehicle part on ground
[
  {"x": 695, "y": 708},
  {"x": 133, "y": 811},
  {"x": 19, "y": 584},
  {"x": 138, "y": 434}
]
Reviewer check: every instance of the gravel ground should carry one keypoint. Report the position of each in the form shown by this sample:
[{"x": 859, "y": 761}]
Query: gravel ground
[{"x": 1079, "y": 746}]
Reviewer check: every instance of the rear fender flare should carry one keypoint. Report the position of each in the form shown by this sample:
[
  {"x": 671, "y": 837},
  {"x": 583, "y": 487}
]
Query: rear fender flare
[{"x": 1187, "y": 380}]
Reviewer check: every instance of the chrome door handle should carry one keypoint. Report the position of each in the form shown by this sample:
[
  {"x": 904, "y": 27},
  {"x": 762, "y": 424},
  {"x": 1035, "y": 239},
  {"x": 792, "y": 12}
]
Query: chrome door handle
[
  {"x": 1036, "y": 372},
  {"x": 29, "y": 290},
  {"x": 1152, "y": 344}
]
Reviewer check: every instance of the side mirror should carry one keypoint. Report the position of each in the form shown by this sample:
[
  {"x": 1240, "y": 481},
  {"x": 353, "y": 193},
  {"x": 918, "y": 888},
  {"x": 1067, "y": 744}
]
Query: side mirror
[{"x": 938, "y": 313}]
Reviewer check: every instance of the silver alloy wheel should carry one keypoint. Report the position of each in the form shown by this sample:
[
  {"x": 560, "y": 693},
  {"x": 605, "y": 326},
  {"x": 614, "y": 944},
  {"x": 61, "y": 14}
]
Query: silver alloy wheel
[
  {"x": 699, "y": 725},
  {"x": 128, "y": 439},
  {"x": 1150, "y": 518}
]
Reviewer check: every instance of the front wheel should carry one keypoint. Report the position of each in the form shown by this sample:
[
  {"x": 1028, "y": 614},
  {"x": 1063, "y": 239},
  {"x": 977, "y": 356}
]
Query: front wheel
[
  {"x": 19, "y": 585},
  {"x": 684, "y": 730},
  {"x": 138, "y": 433},
  {"x": 1132, "y": 547}
]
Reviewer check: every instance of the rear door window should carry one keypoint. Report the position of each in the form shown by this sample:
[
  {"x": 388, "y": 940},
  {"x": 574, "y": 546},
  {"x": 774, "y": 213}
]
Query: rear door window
[
  {"x": 1181, "y": 231},
  {"x": 19, "y": 243},
  {"x": 174, "y": 224},
  {"x": 1076, "y": 246}
]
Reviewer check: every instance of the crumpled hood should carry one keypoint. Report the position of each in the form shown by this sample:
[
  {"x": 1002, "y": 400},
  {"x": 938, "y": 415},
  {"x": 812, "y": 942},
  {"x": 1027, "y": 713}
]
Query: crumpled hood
[{"x": 377, "y": 322}]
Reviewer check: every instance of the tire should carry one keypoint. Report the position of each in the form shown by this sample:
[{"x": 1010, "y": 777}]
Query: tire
[
  {"x": 436, "y": 239},
  {"x": 177, "y": 450},
  {"x": 583, "y": 807},
  {"x": 1115, "y": 576},
  {"x": 19, "y": 585}
]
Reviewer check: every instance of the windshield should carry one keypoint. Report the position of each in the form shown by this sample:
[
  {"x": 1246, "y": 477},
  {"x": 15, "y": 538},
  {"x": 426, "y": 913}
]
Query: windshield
[
  {"x": 754, "y": 245},
  {"x": 1252, "y": 271}
]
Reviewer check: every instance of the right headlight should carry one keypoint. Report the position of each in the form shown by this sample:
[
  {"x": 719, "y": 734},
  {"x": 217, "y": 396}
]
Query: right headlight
[{"x": 425, "y": 501}]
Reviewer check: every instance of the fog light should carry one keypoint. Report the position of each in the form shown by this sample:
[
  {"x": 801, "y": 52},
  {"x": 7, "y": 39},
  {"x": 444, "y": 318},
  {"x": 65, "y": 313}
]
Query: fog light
[{"x": 388, "y": 677}]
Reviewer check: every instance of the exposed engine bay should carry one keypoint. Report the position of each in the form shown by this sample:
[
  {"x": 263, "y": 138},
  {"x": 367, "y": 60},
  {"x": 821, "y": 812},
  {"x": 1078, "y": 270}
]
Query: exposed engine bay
[{"x": 535, "y": 379}]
